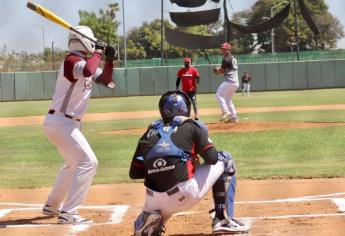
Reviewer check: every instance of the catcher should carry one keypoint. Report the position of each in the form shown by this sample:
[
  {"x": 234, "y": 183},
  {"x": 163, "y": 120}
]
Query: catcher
[
  {"x": 166, "y": 158},
  {"x": 190, "y": 82}
]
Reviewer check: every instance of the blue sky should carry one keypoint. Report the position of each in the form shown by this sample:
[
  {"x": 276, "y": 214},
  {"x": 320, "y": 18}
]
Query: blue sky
[{"x": 22, "y": 30}]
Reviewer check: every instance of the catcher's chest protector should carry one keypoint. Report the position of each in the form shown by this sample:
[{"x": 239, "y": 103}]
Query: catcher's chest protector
[{"x": 165, "y": 147}]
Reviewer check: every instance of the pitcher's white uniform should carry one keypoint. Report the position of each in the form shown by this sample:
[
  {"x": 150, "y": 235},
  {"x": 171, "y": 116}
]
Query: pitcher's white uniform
[
  {"x": 62, "y": 128},
  {"x": 229, "y": 86}
]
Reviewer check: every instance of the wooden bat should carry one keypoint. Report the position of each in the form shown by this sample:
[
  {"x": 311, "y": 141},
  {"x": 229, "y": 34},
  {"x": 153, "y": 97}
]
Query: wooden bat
[{"x": 56, "y": 19}]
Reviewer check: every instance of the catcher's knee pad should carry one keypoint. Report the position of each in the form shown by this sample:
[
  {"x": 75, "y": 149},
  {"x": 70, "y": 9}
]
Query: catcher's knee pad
[
  {"x": 148, "y": 223},
  {"x": 228, "y": 162}
]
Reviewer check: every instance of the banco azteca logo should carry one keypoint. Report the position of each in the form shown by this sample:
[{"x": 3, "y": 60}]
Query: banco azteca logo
[{"x": 159, "y": 163}]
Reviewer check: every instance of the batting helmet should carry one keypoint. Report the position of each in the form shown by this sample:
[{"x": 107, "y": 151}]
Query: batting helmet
[
  {"x": 77, "y": 42},
  {"x": 174, "y": 103}
]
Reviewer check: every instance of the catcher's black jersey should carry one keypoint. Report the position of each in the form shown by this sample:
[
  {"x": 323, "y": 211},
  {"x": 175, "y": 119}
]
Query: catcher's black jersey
[{"x": 161, "y": 174}]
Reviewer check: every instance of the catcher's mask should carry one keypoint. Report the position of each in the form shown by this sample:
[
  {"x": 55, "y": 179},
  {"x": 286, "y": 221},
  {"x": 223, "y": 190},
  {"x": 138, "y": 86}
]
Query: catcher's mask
[{"x": 174, "y": 103}]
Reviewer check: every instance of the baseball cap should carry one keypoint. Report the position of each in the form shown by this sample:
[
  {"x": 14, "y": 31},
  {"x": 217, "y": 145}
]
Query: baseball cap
[
  {"x": 225, "y": 45},
  {"x": 187, "y": 59}
]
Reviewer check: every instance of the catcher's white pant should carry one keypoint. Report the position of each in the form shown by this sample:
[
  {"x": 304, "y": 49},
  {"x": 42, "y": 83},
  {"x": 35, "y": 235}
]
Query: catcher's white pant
[
  {"x": 187, "y": 194},
  {"x": 224, "y": 94},
  {"x": 75, "y": 178},
  {"x": 246, "y": 88}
]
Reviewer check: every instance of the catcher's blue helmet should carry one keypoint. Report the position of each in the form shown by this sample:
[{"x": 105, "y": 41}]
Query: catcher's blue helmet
[{"x": 174, "y": 103}]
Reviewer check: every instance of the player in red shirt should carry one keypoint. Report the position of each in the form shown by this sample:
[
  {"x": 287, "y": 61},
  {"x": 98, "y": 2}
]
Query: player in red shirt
[{"x": 190, "y": 81}]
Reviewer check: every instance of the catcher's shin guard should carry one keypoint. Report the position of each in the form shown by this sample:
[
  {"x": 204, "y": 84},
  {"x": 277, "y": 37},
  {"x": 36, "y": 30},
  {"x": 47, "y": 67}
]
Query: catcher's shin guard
[{"x": 230, "y": 198}]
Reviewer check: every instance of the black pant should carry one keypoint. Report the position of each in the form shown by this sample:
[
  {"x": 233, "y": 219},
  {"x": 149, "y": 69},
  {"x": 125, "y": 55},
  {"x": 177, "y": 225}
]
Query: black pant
[{"x": 192, "y": 96}]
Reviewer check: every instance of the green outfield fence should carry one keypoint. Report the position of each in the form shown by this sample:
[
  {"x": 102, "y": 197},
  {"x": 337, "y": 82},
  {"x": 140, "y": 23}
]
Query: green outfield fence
[
  {"x": 245, "y": 58},
  {"x": 138, "y": 81}
]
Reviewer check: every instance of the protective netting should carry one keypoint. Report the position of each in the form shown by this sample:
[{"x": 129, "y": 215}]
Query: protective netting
[
  {"x": 185, "y": 19},
  {"x": 189, "y": 3},
  {"x": 192, "y": 41},
  {"x": 307, "y": 17},
  {"x": 267, "y": 25}
]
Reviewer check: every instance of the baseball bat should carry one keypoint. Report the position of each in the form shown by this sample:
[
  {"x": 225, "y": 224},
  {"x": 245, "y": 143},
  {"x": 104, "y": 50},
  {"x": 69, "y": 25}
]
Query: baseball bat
[{"x": 56, "y": 19}]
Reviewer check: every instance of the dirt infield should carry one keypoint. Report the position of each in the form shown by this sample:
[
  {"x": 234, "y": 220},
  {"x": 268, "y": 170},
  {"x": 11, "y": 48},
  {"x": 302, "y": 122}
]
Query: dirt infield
[
  {"x": 35, "y": 120},
  {"x": 271, "y": 207},
  {"x": 283, "y": 207},
  {"x": 246, "y": 126}
]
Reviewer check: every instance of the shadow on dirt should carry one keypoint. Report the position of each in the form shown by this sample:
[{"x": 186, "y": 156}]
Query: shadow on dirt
[{"x": 32, "y": 221}]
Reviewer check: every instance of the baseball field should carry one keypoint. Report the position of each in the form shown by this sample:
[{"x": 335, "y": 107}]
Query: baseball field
[{"x": 288, "y": 147}]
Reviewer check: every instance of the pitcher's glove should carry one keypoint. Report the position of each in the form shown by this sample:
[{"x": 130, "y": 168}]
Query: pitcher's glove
[
  {"x": 216, "y": 70},
  {"x": 229, "y": 164}
]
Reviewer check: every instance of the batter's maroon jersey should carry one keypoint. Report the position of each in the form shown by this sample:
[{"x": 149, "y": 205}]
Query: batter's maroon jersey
[{"x": 188, "y": 77}]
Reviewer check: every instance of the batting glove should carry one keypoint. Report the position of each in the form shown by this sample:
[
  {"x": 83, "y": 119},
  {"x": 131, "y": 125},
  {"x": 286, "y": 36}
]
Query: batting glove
[
  {"x": 109, "y": 53},
  {"x": 100, "y": 46}
]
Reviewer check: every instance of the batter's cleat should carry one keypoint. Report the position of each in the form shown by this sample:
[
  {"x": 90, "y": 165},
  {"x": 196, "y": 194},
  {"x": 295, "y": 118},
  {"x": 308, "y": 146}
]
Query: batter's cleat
[
  {"x": 225, "y": 226},
  {"x": 226, "y": 116},
  {"x": 50, "y": 211},
  {"x": 150, "y": 225},
  {"x": 69, "y": 218}
]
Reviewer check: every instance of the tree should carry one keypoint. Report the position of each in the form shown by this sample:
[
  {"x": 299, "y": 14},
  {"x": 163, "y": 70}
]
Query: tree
[
  {"x": 145, "y": 41},
  {"x": 242, "y": 43},
  {"x": 103, "y": 26},
  {"x": 329, "y": 26}
]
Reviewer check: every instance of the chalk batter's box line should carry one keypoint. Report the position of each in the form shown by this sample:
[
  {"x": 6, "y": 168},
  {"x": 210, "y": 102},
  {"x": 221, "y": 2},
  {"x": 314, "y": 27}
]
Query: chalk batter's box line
[
  {"x": 115, "y": 219},
  {"x": 117, "y": 214},
  {"x": 304, "y": 198}
]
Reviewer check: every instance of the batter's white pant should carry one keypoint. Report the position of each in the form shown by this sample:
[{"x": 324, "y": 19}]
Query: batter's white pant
[
  {"x": 224, "y": 94},
  {"x": 246, "y": 88},
  {"x": 189, "y": 192},
  {"x": 75, "y": 178}
]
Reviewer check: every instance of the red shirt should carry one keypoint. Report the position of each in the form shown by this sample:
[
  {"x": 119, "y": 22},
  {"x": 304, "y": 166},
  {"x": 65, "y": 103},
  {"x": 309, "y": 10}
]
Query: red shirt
[{"x": 188, "y": 77}]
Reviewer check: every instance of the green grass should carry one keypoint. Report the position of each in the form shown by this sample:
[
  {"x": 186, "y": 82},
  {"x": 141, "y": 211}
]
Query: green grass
[
  {"x": 288, "y": 154},
  {"x": 144, "y": 103},
  {"x": 29, "y": 160}
]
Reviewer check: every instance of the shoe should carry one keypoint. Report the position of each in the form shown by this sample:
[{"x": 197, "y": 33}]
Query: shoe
[
  {"x": 69, "y": 218},
  {"x": 225, "y": 116},
  {"x": 160, "y": 231},
  {"x": 232, "y": 120},
  {"x": 151, "y": 225},
  {"x": 50, "y": 211},
  {"x": 225, "y": 226}
]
